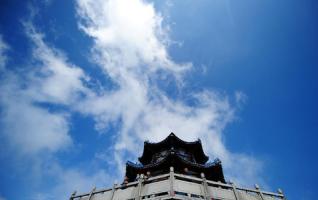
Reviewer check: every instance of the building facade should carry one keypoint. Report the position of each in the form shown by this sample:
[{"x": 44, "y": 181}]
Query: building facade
[{"x": 176, "y": 169}]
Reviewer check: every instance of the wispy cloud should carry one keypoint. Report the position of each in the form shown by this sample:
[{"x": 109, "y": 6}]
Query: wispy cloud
[
  {"x": 51, "y": 80},
  {"x": 131, "y": 47},
  {"x": 54, "y": 79},
  {"x": 34, "y": 133},
  {"x": 69, "y": 180},
  {"x": 130, "y": 30},
  {"x": 3, "y": 49}
]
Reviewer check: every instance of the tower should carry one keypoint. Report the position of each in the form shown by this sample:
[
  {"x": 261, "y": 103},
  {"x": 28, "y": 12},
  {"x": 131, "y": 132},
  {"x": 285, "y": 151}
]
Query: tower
[{"x": 176, "y": 169}]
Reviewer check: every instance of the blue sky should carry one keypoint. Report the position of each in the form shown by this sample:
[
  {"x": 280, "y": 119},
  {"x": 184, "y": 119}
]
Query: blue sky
[{"x": 83, "y": 83}]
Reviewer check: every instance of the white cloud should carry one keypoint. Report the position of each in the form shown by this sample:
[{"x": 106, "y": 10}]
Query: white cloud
[
  {"x": 240, "y": 98},
  {"x": 131, "y": 46},
  {"x": 3, "y": 48},
  {"x": 77, "y": 179},
  {"x": 63, "y": 181},
  {"x": 28, "y": 125},
  {"x": 130, "y": 30},
  {"x": 34, "y": 132},
  {"x": 31, "y": 129},
  {"x": 54, "y": 79}
]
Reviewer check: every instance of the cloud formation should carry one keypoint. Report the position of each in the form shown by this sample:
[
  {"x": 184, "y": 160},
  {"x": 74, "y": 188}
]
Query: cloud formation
[
  {"x": 27, "y": 124},
  {"x": 131, "y": 47},
  {"x": 131, "y": 30},
  {"x": 3, "y": 48},
  {"x": 35, "y": 132}
]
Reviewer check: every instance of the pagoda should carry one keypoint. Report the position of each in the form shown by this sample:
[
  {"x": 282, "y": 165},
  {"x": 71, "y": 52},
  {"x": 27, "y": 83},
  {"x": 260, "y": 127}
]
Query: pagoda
[
  {"x": 179, "y": 170},
  {"x": 186, "y": 158}
]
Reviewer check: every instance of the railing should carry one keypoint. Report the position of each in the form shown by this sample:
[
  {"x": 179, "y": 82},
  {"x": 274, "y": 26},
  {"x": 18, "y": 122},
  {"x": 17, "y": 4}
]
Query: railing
[{"x": 177, "y": 186}]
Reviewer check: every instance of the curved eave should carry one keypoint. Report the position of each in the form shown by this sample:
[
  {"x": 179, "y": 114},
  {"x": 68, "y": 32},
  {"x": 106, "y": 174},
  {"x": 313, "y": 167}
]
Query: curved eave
[
  {"x": 148, "y": 166},
  {"x": 213, "y": 171},
  {"x": 151, "y": 148}
]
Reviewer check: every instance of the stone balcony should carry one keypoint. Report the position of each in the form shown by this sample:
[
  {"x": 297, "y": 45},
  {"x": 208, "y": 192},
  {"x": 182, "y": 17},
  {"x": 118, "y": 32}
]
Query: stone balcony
[{"x": 177, "y": 186}]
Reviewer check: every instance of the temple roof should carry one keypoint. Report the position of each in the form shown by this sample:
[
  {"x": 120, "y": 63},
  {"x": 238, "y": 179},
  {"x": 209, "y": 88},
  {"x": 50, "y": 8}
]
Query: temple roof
[
  {"x": 172, "y": 141},
  {"x": 213, "y": 171}
]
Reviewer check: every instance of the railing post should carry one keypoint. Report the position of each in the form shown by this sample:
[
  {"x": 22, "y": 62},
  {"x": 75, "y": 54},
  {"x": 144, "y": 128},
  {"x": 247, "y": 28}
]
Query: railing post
[
  {"x": 113, "y": 192},
  {"x": 207, "y": 195},
  {"x": 91, "y": 194},
  {"x": 259, "y": 192},
  {"x": 171, "y": 178},
  {"x": 140, "y": 182},
  {"x": 73, "y": 195},
  {"x": 280, "y": 191},
  {"x": 235, "y": 191}
]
